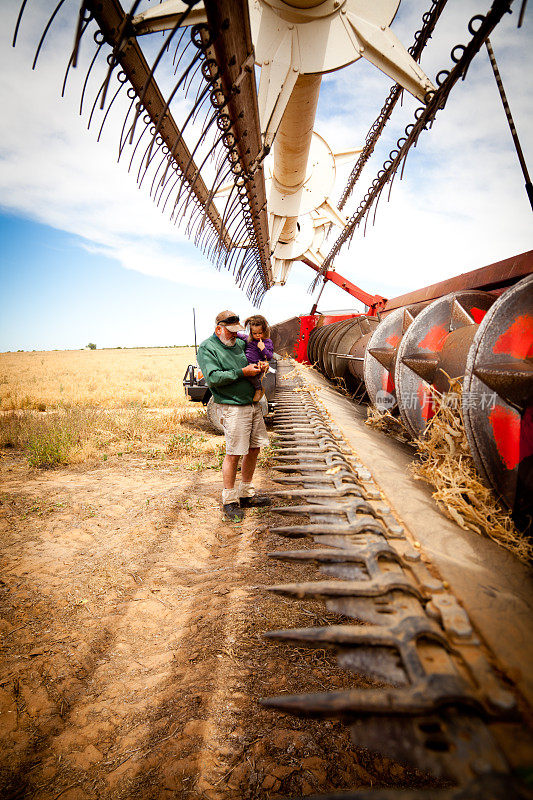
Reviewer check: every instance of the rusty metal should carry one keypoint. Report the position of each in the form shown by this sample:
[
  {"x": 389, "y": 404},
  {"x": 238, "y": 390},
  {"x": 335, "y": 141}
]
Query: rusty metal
[
  {"x": 498, "y": 398},
  {"x": 380, "y": 357},
  {"x": 434, "y": 350},
  {"x": 284, "y": 336},
  {"x": 338, "y": 351},
  {"x": 443, "y": 705}
]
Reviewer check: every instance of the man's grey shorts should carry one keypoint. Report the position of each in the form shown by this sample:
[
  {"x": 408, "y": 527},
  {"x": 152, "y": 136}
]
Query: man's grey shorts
[{"x": 244, "y": 427}]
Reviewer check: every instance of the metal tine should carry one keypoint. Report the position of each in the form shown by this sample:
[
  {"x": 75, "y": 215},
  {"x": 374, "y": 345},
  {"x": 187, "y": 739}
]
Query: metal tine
[
  {"x": 188, "y": 44},
  {"x": 85, "y": 82},
  {"x": 302, "y": 416},
  {"x": 19, "y": 18},
  {"x": 177, "y": 175},
  {"x": 205, "y": 95},
  {"x": 212, "y": 192},
  {"x": 364, "y": 525},
  {"x": 147, "y": 123},
  {"x": 356, "y": 505},
  {"x": 110, "y": 106},
  {"x": 123, "y": 137},
  {"x": 202, "y": 137},
  {"x": 310, "y": 466},
  {"x": 381, "y": 584},
  {"x": 197, "y": 57},
  {"x": 231, "y": 200},
  {"x": 357, "y": 555},
  {"x": 230, "y": 220},
  {"x": 319, "y": 478},
  {"x": 199, "y": 169},
  {"x": 47, "y": 28},
  {"x": 320, "y": 445},
  {"x": 95, "y": 103},
  {"x": 71, "y": 59},
  {"x": 285, "y": 419},
  {"x": 304, "y": 435},
  {"x": 161, "y": 162},
  {"x": 403, "y": 637},
  {"x": 398, "y": 701},
  {"x": 313, "y": 424},
  {"x": 313, "y": 492},
  {"x": 305, "y": 452},
  {"x": 291, "y": 457},
  {"x": 166, "y": 43},
  {"x": 289, "y": 440},
  {"x": 315, "y": 446},
  {"x": 235, "y": 253},
  {"x": 179, "y": 213},
  {"x": 142, "y": 160},
  {"x": 191, "y": 78}
]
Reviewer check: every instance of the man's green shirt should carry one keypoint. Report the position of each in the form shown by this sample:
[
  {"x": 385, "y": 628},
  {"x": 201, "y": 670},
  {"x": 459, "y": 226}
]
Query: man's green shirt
[{"x": 222, "y": 368}]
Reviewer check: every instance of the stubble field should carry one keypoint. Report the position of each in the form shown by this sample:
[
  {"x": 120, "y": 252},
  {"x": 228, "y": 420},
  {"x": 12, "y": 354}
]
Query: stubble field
[{"x": 131, "y": 615}]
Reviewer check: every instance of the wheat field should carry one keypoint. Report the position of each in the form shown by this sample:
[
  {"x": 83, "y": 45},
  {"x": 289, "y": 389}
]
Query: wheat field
[
  {"x": 65, "y": 407},
  {"x": 44, "y": 381}
]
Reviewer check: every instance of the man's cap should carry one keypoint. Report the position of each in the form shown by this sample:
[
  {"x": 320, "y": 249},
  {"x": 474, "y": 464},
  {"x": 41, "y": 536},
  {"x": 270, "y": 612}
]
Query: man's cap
[{"x": 230, "y": 320}]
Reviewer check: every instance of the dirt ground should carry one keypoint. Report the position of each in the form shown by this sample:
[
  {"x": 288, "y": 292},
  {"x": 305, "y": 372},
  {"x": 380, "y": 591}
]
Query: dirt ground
[{"x": 133, "y": 658}]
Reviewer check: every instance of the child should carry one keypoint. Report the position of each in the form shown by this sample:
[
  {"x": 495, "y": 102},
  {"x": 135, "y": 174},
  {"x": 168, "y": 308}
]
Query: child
[{"x": 259, "y": 348}]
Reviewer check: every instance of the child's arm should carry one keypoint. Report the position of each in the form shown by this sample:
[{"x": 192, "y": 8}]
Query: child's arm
[{"x": 268, "y": 352}]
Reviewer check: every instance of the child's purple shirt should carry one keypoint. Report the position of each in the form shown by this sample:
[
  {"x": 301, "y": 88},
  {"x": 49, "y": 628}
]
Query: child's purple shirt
[{"x": 253, "y": 353}]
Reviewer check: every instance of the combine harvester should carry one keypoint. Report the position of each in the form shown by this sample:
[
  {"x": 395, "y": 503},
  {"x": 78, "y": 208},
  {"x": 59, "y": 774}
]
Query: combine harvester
[{"x": 447, "y": 613}]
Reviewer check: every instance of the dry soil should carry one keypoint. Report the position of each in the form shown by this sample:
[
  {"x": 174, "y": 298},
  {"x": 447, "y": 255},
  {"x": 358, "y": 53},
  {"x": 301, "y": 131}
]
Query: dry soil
[{"x": 133, "y": 660}]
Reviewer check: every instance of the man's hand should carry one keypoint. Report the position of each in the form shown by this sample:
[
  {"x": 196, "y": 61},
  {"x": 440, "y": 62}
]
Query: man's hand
[
  {"x": 251, "y": 369},
  {"x": 261, "y": 344}
]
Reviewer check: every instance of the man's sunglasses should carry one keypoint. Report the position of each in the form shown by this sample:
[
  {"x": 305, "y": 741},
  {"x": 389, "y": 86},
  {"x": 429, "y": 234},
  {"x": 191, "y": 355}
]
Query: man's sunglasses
[{"x": 229, "y": 321}]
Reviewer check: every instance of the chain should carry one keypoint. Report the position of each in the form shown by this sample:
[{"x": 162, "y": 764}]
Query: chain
[
  {"x": 480, "y": 27},
  {"x": 422, "y": 37}
]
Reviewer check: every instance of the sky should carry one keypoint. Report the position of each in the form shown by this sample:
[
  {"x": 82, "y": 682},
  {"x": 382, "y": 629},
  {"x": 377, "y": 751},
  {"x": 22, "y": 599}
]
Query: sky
[{"x": 86, "y": 256}]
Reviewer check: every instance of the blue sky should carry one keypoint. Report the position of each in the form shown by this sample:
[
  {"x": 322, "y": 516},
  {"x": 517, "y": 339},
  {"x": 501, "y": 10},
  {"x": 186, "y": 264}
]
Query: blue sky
[{"x": 86, "y": 256}]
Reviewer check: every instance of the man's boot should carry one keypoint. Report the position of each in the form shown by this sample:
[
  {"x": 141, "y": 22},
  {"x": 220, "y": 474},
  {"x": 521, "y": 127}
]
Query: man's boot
[{"x": 231, "y": 505}]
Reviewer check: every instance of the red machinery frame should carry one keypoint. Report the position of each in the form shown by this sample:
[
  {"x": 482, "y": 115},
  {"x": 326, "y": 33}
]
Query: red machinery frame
[{"x": 494, "y": 278}]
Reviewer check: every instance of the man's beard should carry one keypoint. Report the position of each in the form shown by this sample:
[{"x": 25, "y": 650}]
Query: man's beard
[{"x": 225, "y": 341}]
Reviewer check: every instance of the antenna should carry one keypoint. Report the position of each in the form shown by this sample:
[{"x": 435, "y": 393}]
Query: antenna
[{"x": 194, "y": 326}]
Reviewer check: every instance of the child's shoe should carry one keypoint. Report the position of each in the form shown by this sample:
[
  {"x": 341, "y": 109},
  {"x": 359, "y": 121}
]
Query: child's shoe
[{"x": 259, "y": 393}]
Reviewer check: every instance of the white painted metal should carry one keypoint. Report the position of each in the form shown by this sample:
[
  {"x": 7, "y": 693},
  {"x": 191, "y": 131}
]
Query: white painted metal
[{"x": 296, "y": 42}]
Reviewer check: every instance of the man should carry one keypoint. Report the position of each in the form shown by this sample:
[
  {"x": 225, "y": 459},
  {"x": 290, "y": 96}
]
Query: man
[{"x": 226, "y": 371}]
